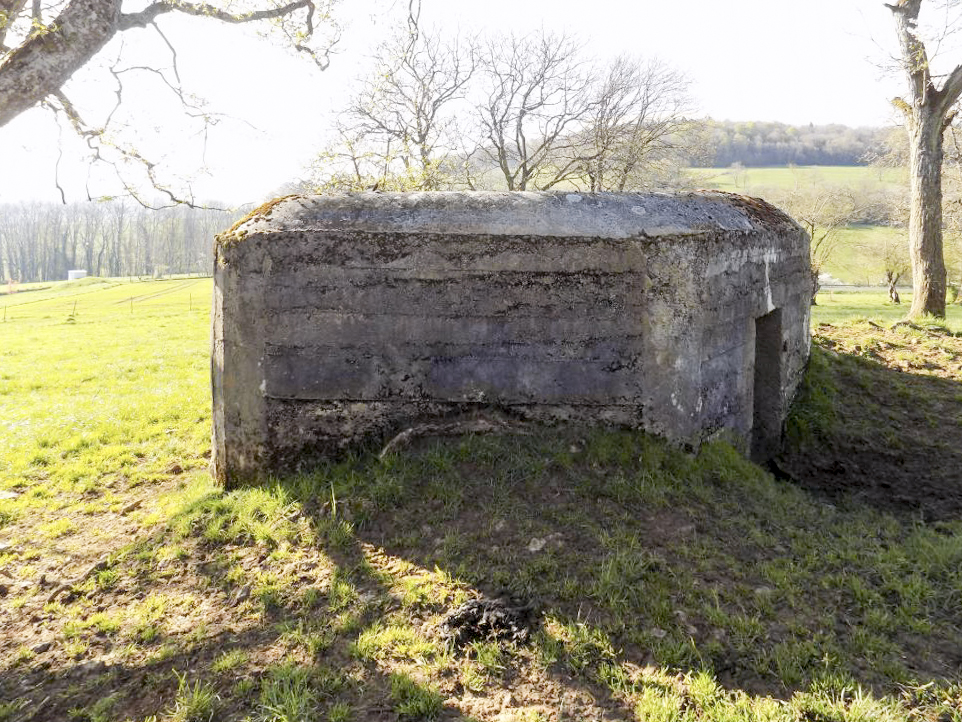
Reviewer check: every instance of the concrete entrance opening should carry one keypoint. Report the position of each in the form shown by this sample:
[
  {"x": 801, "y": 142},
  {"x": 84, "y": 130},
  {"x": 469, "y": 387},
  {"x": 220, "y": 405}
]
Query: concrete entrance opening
[{"x": 768, "y": 393}]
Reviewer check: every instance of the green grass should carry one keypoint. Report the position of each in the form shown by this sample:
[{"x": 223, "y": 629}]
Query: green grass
[
  {"x": 857, "y": 258},
  {"x": 229, "y": 661},
  {"x": 747, "y": 180},
  {"x": 842, "y": 306},
  {"x": 287, "y": 695},
  {"x": 110, "y": 400},
  {"x": 413, "y": 701},
  {"x": 669, "y": 585},
  {"x": 193, "y": 703},
  {"x": 859, "y": 252}
]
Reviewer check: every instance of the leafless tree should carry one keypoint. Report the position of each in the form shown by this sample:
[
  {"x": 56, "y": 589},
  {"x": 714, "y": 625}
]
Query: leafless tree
[
  {"x": 42, "y": 241},
  {"x": 892, "y": 252},
  {"x": 536, "y": 97},
  {"x": 635, "y": 126},
  {"x": 399, "y": 131},
  {"x": 519, "y": 113},
  {"x": 822, "y": 212},
  {"x": 929, "y": 110}
]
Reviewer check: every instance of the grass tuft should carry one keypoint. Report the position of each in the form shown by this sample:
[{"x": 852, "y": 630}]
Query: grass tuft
[
  {"x": 414, "y": 701},
  {"x": 193, "y": 703},
  {"x": 287, "y": 695}
]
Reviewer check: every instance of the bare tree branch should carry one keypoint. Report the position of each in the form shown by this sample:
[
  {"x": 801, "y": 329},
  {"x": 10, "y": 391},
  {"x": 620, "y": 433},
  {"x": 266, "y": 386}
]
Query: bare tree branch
[
  {"x": 48, "y": 50},
  {"x": 538, "y": 95},
  {"x": 951, "y": 90},
  {"x": 154, "y": 10},
  {"x": 173, "y": 52},
  {"x": 98, "y": 142},
  {"x": 44, "y": 62},
  {"x": 636, "y": 126},
  {"x": 56, "y": 170},
  {"x": 9, "y": 11},
  {"x": 822, "y": 213},
  {"x": 398, "y": 131}
]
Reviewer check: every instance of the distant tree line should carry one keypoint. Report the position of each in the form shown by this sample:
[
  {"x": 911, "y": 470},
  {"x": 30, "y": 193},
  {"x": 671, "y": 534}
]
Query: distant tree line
[
  {"x": 774, "y": 144},
  {"x": 42, "y": 241}
]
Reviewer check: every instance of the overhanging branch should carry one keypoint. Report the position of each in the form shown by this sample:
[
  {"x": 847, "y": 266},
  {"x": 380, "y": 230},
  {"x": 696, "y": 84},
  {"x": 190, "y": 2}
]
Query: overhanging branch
[
  {"x": 951, "y": 91},
  {"x": 153, "y": 11},
  {"x": 98, "y": 141},
  {"x": 44, "y": 62},
  {"x": 9, "y": 10},
  {"x": 40, "y": 65}
]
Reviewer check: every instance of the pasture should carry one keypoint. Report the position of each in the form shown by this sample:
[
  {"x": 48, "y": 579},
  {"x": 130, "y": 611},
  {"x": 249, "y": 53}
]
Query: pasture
[
  {"x": 664, "y": 585},
  {"x": 859, "y": 249},
  {"x": 846, "y": 306},
  {"x": 859, "y": 254},
  {"x": 750, "y": 180}
]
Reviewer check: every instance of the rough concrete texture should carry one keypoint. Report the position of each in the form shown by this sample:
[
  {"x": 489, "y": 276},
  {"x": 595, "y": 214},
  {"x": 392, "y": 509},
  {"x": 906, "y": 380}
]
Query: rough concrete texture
[{"x": 342, "y": 319}]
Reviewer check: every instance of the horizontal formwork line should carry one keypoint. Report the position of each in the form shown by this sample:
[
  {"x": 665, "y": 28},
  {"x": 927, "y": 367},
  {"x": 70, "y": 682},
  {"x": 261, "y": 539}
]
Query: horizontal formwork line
[
  {"x": 314, "y": 348},
  {"x": 450, "y": 350},
  {"x": 466, "y": 317},
  {"x": 340, "y": 267},
  {"x": 458, "y": 402}
]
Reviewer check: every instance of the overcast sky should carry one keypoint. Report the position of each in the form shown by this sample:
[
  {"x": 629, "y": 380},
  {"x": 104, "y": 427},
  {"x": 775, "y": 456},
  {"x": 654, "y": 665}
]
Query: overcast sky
[{"x": 818, "y": 61}]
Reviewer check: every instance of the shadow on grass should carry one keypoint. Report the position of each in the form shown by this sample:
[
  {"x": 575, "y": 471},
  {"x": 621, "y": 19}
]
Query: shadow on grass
[
  {"x": 275, "y": 651},
  {"x": 665, "y": 583},
  {"x": 864, "y": 433}
]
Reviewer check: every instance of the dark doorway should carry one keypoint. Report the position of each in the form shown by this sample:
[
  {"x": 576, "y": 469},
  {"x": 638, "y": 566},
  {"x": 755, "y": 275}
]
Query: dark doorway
[{"x": 767, "y": 417}]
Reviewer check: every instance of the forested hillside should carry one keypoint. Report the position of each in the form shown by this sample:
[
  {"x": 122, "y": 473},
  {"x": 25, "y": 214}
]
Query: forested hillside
[{"x": 756, "y": 143}]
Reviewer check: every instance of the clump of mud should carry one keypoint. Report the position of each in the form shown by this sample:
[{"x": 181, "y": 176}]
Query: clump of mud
[{"x": 504, "y": 619}]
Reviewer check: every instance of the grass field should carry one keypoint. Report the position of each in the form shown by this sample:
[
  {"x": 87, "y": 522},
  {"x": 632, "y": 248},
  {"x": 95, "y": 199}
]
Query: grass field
[
  {"x": 666, "y": 585},
  {"x": 858, "y": 256},
  {"x": 747, "y": 180},
  {"x": 844, "y": 306},
  {"x": 857, "y": 259}
]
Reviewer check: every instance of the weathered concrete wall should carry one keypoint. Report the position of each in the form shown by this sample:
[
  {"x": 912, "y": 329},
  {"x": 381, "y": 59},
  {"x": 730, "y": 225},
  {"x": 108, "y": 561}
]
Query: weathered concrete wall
[{"x": 340, "y": 319}]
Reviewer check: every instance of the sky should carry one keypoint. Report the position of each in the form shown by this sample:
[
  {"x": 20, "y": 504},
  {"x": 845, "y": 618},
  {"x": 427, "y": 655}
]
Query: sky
[{"x": 818, "y": 61}]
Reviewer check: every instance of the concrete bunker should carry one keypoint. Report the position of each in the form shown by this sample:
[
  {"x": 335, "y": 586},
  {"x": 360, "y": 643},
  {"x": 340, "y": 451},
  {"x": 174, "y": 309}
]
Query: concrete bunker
[{"x": 342, "y": 319}]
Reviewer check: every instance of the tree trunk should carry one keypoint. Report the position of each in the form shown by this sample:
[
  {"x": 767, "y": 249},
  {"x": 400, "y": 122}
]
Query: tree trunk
[
  {"x": 42, "y": 64},
  {"x": 893, "y": 279},
  {"x": 925, "y": 220},
  {"x": 927, "y": 113}
]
